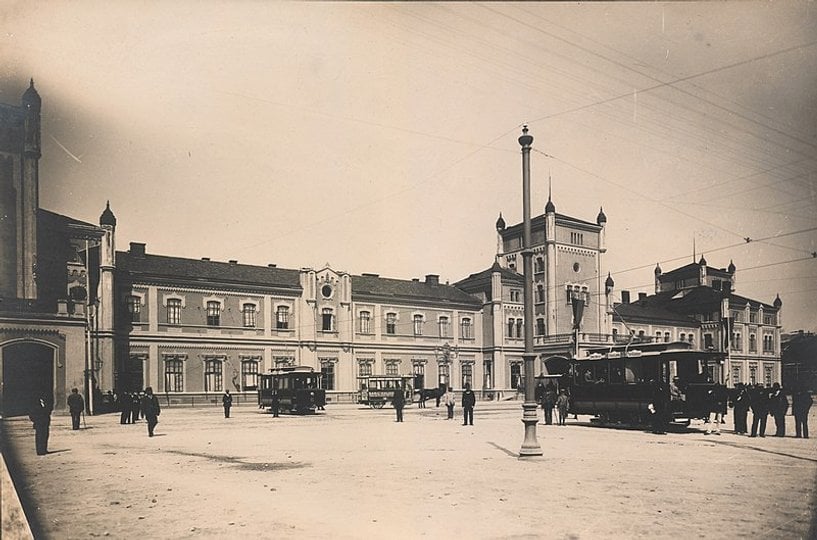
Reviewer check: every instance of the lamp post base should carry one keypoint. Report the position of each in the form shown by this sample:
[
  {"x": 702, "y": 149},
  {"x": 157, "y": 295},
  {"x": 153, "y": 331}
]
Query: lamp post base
[{"x": 530, "y": 446}]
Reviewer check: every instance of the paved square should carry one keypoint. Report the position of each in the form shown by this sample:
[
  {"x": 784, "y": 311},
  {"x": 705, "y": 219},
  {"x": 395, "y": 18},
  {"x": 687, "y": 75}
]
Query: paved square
[{"x": 351, "y": 472}]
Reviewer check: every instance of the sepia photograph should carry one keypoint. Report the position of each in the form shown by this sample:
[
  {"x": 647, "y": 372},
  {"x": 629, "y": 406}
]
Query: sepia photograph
[{"x": 570, "y": 247}]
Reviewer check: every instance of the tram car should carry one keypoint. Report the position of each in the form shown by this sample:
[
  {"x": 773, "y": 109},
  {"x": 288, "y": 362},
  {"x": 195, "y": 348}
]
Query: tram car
[
  {"x": 297, "y": 389},
  {"x": 377, "y": 390},
  {"x": 622, "y": 384}
]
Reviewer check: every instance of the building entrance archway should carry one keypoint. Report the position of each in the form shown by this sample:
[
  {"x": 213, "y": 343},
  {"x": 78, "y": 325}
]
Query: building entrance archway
[{"x": 28, "y": 370}]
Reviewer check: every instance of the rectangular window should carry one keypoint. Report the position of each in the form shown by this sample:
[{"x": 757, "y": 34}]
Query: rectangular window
[
  {"x": 365, "y": 322},
  {"x": 752, "y": 343},
  {"x": 519, "y": 328},
  {"x": 540, "y": 327},
  {"x": 466, "y": 329},
  {"x": 327, "y": 320},
  {"x": 467, "y": 373},
  {"x": 282, "y": 318},
  {"x": 364, "y": 368},
  {"x": 328, "y": 374},
  {"x": 768, "y": 371},
  {"x": 391, "y": 323},
  {"x": 249, "y": 375},
  {"x": 419, "y": 371},
  {"x": 392, "y": 367},
  {"x": 768, "y": 319},
  {"x": 516, "y": 375},
  {"x": 752, "y": 373},
  {"x": 511, "y": 326},
  {"x": 174, "y": 374},
  {"x": 708, "y": 344},
  {"x": 418, "y": 325},
  {"x": 752, "y": 316},
  {"x": 174, "y": 311},
  {"x": 444, "y": 326},
  {"x": 736, "y": 375},
  {"x": 444, "y": 375},
  {"x": 134, "y": 308},
  {"x": 213, "y": 376},
  {"x": 213, "y": 313},
  {"x": 249, "y": 315},
  {"x": 737, "y": 342},
  {"x": 666, "y": 337},
  {"x": 488, "y": 374}
]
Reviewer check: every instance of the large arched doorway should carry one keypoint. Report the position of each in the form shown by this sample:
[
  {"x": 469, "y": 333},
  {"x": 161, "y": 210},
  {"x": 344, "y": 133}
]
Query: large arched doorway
[
  {"x": 28, "y": 370},
  {"x": 557, "y": 365}
]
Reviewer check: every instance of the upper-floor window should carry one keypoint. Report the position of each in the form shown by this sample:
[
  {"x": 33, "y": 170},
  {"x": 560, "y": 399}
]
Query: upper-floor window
[
  {"x": 768, "y": 318},
  {"x": 539, "y": 264},
  {"x": 282, "y": 318},
  {"x": 248, "y": 313},
  {"x": 327, "y": 320},
  {"x": 444, "y": 326},
  {"x": 213, "y": 313},
  {"x": 391, "y": 323},
  {"x": 752, "y": 343},
  {"x": 519, "y": 327},
  {"x": 134, "y": 304},
  {"x": 466, "y": 329},
  {"x": 666, "y": 337},
  {"x": 708, "y": 341},
  {"x": 174, "y": 312},
  {"x": 768, "y": 343},
  {"x": 540, "y": 293},
  {"x": 752, "y": 316},
  {"x": 516, "y": 295},
  {"x": 365, "y": 322},
  {"x": 682, "y": 336},
  {"x": 540, "y": 327},
  {"x": 577, "y": 238},
  {"x": 511, "y": 326},
  {"x": 418, "y": 325},
  {"x": 737, "y": 341},
  {"x": 392, "y": 367}
]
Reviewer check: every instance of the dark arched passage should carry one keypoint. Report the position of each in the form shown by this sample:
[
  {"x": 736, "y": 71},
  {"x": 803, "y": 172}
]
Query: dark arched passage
[
  {"x": 557, "y": 365},
  {"x": 28, "y": 370}
]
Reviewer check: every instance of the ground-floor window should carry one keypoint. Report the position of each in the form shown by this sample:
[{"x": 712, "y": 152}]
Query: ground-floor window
[
  {"x": 768, "y": 374},
  {"x": 419, "y": 371},
  {"x": 174, "y": 374},
  {"x": 516, "y": 375},
  {"x": 488, "y": 374},
  {"x": 444, "y": 371},
  {"x": 467, "y": 374},
  {"x": 392, "y": 367},
  {"x": 364, "y": 370},
  {"x": 328, "y": 373},
  {"x": 737, "y": 373},
  {"x": 249, "y": 374},
  {"x": 213, "y": 375},
  {"x": 753, "y": 373}
]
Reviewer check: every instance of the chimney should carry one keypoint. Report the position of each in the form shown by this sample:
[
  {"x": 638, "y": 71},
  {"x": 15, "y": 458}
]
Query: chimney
[
  {"x": 137, "y": 249},
  {"x": 415, "y": 279},
  {"x": 366, "y": 274},
  {"x": 625, "y": 297},
  {"x": 272, "y": 265},
  {"x": 642, "y": 296},
  {"x": 432, "y": 279},
  {"x": 233, "y": 261},
  {"x": 205, "y": 258}
]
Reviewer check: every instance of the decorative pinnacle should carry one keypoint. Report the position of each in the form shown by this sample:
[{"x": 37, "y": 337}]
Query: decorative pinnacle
[{"x": 525, "y": 140}]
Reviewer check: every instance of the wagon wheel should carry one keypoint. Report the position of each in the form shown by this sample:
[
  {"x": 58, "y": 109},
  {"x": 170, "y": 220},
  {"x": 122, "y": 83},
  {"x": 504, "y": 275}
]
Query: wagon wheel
[{"x": 378, "y": 404}]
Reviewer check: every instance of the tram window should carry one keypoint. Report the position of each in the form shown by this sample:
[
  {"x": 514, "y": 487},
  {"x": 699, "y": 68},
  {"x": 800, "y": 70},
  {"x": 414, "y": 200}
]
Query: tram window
[
  {"x": 602, "y": 373},
  {"x": 617, "y": 371},
  {"x": 634, "y": 370},
  {"x": 587, "y": 375}
]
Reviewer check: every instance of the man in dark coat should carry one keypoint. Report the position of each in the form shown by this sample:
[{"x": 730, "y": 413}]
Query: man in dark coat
[
  {"x": 125, "y": 400},
  {"x": 398, "y": 400},
  {"x": 760, "y": 410},
  {"x": 75, "y": 405},
  {"x": 136, "y": 403},
  {"x": 548, "y": 402},
  {"x": 740, "y": 404},
  {"x": 150, "y": 406},
  {"x": 801, "y": 403},
  {"x": 227, "y": 402},
  {"x": 778, "y": 407},
  {"x": 658, "y": 408},
  {"x": 469, "y": 399},
  {"x": 40, "y": 415}
]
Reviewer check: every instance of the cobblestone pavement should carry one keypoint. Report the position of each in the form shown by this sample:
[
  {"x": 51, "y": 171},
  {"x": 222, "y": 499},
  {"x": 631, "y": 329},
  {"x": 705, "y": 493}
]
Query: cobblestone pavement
[{"x": 350, "y": 472}]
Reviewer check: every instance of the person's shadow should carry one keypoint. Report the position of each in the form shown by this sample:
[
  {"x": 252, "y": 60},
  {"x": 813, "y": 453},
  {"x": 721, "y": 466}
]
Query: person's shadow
[{"x": 49, "y": 452}]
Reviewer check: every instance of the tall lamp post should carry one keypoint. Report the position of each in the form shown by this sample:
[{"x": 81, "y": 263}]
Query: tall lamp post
[{"x": 530, "y": 446}]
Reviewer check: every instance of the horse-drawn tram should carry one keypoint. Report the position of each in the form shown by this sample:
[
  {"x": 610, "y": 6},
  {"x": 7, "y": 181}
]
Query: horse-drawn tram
[
  {"x": 626, "y": 384},
  {"x": 294, "y": 389},
  {"x": 377, "y": 390}
]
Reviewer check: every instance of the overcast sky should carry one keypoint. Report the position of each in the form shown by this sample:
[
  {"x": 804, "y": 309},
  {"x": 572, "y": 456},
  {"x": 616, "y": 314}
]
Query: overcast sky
[{"x": 383, "y": 137}]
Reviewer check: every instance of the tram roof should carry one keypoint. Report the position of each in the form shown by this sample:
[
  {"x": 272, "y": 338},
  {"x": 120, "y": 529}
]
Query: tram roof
[{"x": 677, "y": 349}]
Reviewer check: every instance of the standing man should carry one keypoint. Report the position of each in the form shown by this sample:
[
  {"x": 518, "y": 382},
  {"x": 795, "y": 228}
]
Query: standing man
[
  {"x": 398, "y": 400},
  {"x": 715, "y": 400},
  {"x": 801, "y": 403},
  {"x": 778, "y": 407},
  {"x": 760, "y": 410},
  {"x": 549, "y": 402},
  {"x": 40, "y": 415},
  {"x": 76, "y": 405},
  {"x": 449, "y": 403},
  {"x": 227, "y": 401},
  {"x": 136, "y": 403},
  {"x": 469, "y": 399},
  {"x": 150, "y": 405},
  {"x": 741, "y": 409},
  {"x": 124, "y": 407}
]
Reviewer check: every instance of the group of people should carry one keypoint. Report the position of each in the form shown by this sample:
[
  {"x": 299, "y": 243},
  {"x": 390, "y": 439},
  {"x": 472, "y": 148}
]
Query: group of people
[
  {"x": 550, "y": 399},
  {"x": 765, "y": 402},
  {"x": 136, "y": 405},
  {"x": 468, "y": 402}
]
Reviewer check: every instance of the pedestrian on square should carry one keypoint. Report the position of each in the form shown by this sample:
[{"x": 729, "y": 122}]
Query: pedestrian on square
[
  {"x": 125, "y": 400},
  {"x": 469, "y": 400},
  {"x": 657, "y": 408},
  {"x": 449, "y": 403},
  {"x": 801, "y": 403},
  {"x": 740, "y": 408},
  {"x": 760, "y": 410},
  {"x": 40, "y": 415},
  {"x": 75, "y": 406},
  {"x": 778, "y": 407},
  {"x": 135, "y": 406},
  {"x": 227, "y": 402},
  {"x": 562, "y": 403},
  {"x": 276, "y": 404},
  {"x": 150, "y": 405},
  {"x": 549, "y": 402},
  {"x": 421, "y": 398},
  {"x": 398, "y": 400},
  {"x": 715, "y": 398}
]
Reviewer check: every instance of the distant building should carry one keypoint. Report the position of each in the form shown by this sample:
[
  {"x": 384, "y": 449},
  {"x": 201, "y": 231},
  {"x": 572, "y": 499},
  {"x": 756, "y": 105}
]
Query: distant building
[{"x": 696, "y": 303}]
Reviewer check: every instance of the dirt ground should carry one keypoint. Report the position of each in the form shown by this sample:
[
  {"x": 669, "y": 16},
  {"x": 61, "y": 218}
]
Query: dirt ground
[{"x": 351, "y": 472}]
